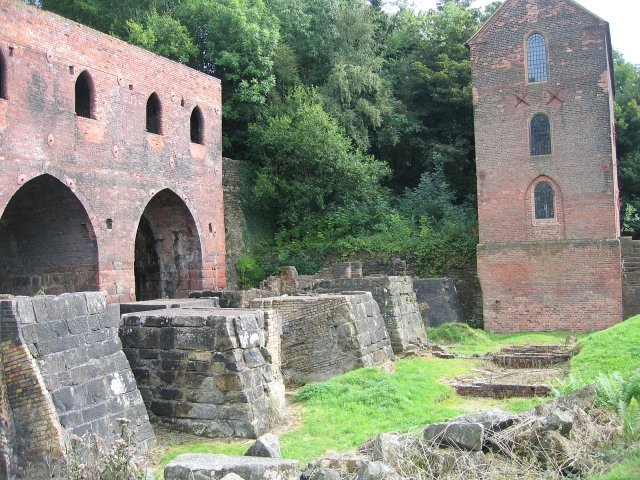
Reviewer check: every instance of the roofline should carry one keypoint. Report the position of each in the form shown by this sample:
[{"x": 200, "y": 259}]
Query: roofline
[{"x": 573, "y": 2}]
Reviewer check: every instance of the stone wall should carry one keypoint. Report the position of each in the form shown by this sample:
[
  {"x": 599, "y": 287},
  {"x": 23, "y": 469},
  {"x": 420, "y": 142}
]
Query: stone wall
[
  {"x": 328, "y": 335},
  {"x": 205, "y": 371},
  {"x": 630, "y": 276},
  {"x": 234, "y": 219},
  {"x": 397, "y": 302},
  {"x": 438, "y": 301},
  {"x": 63, "y": 375}
]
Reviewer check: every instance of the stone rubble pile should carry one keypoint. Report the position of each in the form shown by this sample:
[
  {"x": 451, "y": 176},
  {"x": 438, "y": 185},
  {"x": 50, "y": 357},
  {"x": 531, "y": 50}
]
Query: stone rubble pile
[{"x": 553, "y": 440}]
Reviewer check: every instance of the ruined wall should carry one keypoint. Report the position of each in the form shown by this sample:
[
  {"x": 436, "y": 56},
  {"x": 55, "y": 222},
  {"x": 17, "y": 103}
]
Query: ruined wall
[
  {"x": 82, "y": 197},
  {"x": 630, "y": 276},
  {"x": 205, "y": 371},
  {"x": 397, "y": 302},
  {"x": 327, "y": 335},
  {"x": 438, "y": 301},
  {"x": 234, "y": 219},
  {"x": 554, "y": 287},
  {"x": 63, "y": 375}
]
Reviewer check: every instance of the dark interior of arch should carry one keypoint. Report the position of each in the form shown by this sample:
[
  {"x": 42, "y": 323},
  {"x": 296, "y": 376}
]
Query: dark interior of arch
[
  {"x": 83, "y": 95},
  {"x": 3, "y": 78},
  {"x": 153, "y": 114},
  {"x": 196, "y": 126},
  {"x": 47, "y": 242},
  {"x": 168, "y": 259}
]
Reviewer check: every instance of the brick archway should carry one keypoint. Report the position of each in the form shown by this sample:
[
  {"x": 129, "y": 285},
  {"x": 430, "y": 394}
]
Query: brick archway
[
  {"x": 47, "y": 241},
  {"x": 168, "y": 256}
]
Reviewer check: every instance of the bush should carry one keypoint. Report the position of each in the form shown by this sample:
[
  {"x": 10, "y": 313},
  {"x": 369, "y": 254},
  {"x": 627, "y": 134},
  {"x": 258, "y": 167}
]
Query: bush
[
  {"x": 250, "y": 272},
  {"x": 458, "y": 333}
]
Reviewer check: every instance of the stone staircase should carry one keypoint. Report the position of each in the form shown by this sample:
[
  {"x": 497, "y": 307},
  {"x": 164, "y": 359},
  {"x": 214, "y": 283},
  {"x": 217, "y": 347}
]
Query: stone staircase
[{"x": 630, "y": 276}]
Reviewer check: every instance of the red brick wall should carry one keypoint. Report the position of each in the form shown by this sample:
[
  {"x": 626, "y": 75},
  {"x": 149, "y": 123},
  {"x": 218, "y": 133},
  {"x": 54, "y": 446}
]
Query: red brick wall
[
  {"x": 577, "y": 98},
  {"x": 110, "y": 163},
  {"x": 571, "y": 285}
]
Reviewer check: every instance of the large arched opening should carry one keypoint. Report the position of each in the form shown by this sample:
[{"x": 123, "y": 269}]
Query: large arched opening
[
  {"x": 168, "y": 258},
  {"x": 47, "y": 241}
]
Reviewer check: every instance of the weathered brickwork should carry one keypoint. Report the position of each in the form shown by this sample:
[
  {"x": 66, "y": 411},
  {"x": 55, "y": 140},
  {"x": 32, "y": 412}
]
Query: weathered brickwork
[
  {"x": 561, "y": 272},
  {"x": 99, "y": 202},
  {"x": 63, "y": 375},
  {"x": 328, "y": 335},
  {"x": 206, "y": 371}
]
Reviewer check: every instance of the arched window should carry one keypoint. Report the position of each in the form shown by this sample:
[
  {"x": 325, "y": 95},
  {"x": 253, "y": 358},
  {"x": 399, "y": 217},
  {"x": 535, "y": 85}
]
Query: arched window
[
  {"x": 3, "y": 77},
  {"x": 197, "y": 124},
  {"x": 540, "y": 135},
  {"x": 84, "y": 95},
  {"x": 537, "y": 58},
  {"x": 544, "y": 201},
  {"x": 154, "y": 114}
]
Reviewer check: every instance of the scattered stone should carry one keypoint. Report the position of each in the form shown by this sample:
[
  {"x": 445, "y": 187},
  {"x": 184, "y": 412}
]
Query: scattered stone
[
  {"x": 466, "y": 436},
  {"x": 386, "y": 447},
  {"x": 325, "y": 474},
  {"x": 492, "y": 420},
  {"x": 347, "y": 462},
  {"x": 559, "y": 420},
  {"x": 584, "y": 399},
  {"x": 202, "y": 466},
  {"x": 376, "y": 471},
  {"x": 446, "y": 462},
  {"x": 232, "y": 476},
  {"x": 267, "y": 445}
]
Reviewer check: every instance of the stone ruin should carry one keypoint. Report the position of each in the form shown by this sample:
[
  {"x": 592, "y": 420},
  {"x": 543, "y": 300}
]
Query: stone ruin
[
  {"x": 187, "y": 362},
  {"x": 206, "y": 371},
  {"x": 326, "y": 335},
  {"x": 63, "y": 375}
]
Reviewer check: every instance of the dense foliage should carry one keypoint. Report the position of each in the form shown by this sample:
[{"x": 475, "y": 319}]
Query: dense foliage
[{"x": 355, "y": 118}]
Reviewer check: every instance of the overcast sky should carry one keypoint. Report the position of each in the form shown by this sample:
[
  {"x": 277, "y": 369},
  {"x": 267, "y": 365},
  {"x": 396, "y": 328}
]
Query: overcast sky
[{"x": 623, "y": 17}]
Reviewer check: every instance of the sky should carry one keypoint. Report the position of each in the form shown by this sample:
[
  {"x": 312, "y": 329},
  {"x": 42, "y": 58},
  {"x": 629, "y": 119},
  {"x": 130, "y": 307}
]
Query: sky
[{"x": 622, "y": 15}]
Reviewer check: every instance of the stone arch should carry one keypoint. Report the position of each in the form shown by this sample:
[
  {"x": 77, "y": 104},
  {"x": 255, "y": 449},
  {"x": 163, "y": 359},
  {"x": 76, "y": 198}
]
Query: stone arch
[
  {"x": 168, "y": 254},
  {"x": 47, "y": 241},
  {"x": 544, "y": 228}
]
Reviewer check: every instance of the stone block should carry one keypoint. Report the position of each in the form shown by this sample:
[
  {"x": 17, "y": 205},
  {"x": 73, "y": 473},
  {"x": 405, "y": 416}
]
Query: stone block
[
  {"x": 210, "y": 467},
  {"x": 466, "y": 436}
]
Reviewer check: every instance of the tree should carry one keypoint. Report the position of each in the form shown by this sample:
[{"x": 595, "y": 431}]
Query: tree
[
  {"x": 627, "y": 110},
  {"x": 305, "y": 162}
]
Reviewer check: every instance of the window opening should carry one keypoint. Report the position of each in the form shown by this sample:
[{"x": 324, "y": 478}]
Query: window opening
[
  {"x": 540, "y": 135},
  {"x": 3, "y": 78},
  {"x": 83, "y": 95},
  {"x": 196, "y": 126},
  {"x": 153, "y": 114},
  {"x": 544, "y": 200},
  {"x": 537, "y": 58}
]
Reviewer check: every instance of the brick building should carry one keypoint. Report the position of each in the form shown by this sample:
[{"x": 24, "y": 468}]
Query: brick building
[
  {"x": 111, "y": 174},
  {"x": 549, "y": 254}
]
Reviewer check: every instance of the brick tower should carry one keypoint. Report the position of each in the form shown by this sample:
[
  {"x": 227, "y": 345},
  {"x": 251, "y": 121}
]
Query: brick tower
[{"x": 549, "y": 252}]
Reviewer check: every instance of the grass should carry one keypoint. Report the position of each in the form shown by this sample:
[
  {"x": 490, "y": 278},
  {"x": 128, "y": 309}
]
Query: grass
[
  {"x": 460, "y": 338},
  {"x": 616, "y": 349},
  {"x": 344, "y": 412}
]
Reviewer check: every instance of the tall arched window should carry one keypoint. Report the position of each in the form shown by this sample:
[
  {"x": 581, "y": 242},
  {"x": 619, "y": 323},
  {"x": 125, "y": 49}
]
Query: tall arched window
[
  {"x": 197, "y": 126},
  {"x": 3, "y": 77},
  {"x": 540, "y": 135},
  {"x": 154, "y": 114},
  {"x": 84, "y": 95},
  {"x": 544, "y": 201},
  {"x": 537, "y": 58}
]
